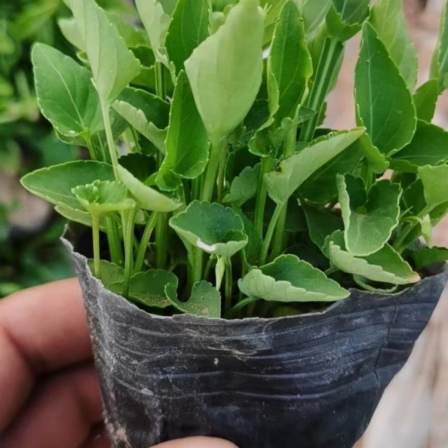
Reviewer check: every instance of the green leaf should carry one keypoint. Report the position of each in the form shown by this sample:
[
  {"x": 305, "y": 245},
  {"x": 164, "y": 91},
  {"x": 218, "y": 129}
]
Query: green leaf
[
  {"x": 213, "y": 228},
  {"x": 427, "y": 257},
  {"x": 428, "y": 147},
  {"x": 369, "y": 218},
  {"x": 187, "y": 146},
  {"x": 147, "y": 198},
  {"x": 384, "y": 266},
  {"x": 146, "y": 113},
  {"x": 148, "y": 288},
  {"x": 65, "y": 93},
  {"x": 289, "y": 279},
  {"x": 102, "y": 197},
  {"x": 225, "y": 96},
  {"x": 205, "y": 300},
  {"x": 435, "y": 185},
  {"x": 113, "y": 65},
  {"x": 289, "y": 65},
  {"x": 70, "y": 31},
  {"x": 244, "y": 186},
  {"x": 425, "y": 99},
  {"x": 55, "y": 184},
  {"x": 439, "y": 69},
  {"x": 188, "y": 28},
  {"x": 388, "y": 19},
  {"x": 313, "y": 13},
  {"x": 321, "y": 222},
  {"x": 352, "y": 11},
  {"x": 156, "y": 22},
  {"x": 112, "y": 276},
  {"x": 384, "y": 103},
  {"x": 295, "y": 170},
  {"x": 74, "y": 215}
]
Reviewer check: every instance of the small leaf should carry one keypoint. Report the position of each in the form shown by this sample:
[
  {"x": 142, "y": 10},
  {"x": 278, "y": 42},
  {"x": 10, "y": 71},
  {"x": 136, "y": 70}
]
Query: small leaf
[
  {"x": 425, "y": 99},
  {"x": 313, "y": 13},
  {"x": 147, "y": 198},
  {"x": 113, "y": 65},
  {"x": 384, "y": 266},
  {"x": 428, "y": 147},
  {"x": 55, "y": 184},
  {"x": 112, "y": 276},
  {"x": 213, "y": 228},
  {"x": 65, "y": 93},
  {"x": 146, "y": 113},
  {"x": 225, "y": 71},
  {"x": 435, "y": 185},
  {"x": 427, "y": 257},
  {"x": 187, "y": 146},
  {"x": 156, "y": 22},
  {"x": 244, "y": 186},
  {"x": 321, "y": 222},
  {"x": 289, "y": 279},
  {"x": 205, "y": 300},
  {"x": 352, "y": 11},
  {"x": 148, "y": 288},
  {"x": 101, "y": 197},
  {"x": 289, "y": 65},
  {"x": 384, "y": 103},
  {"x": 74, "y": 215},
  {"x": 295, "y": 170},
  {"x": 369, "y": 218},
  {"x": 388, "y": 19},
  {"x": 188, "y": 28}
]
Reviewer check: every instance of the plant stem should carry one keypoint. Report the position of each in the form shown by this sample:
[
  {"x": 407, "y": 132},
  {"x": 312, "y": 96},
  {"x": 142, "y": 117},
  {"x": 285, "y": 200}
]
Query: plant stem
[
  {"x": 212, "y": 170},
  {"x": 328, "y": 64},
  {"x": 228, "y": 291},
  {"x": 128, "y": 238},
  {"x": 110, "y": 137},
  {"x": 270, "y": 232},
  {"x": 162, "y": 241},
  {"x": 144, "y": 243},
  {"x": 96, "y": 245},
  {"x": 266, "y": 165},
  {"x": 222, "y": 172},
  {"x": 113, "y": 239}
]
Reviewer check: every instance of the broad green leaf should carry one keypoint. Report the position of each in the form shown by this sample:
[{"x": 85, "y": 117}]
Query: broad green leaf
[
  {"x": 435, "y": 185},
  {"x": 384, "y": 103},
  {"x": 321, "y": 187},
  {"x": 147, "y": 197},
  {"x": 289, "y": 279},
  {"x": 439, "y": 69},
  {"x": 188, "y": 28},
  {"x": 289, "y": 65},
  {"x": 244, "y": 186},
  {"x": 427, "y": 257},
  {"x": 75, "y": 215},
  {"x": 384, "y": 266},
  {"x": 225, "y": 71},
  {"x": 156, "y": 22},
  {"x": 113, "y": 65},
  {"x": 112, "y": 276},
  {"x": 388, "y": 19},
  {"x": 70, "y": 31},
  {"x": 146, "y": 113},
  {"x": 65, "y": 93},
  {"x": 55, "y": 184},
  {"x": 148, "y": 288},
  {"x": 313, "y": 13},
  {"x": 425, "y": 99},
  {"x": 321, "y": 223},
  {"x": 369, "y": 217},
  {"x": 213, "y": 228},
  {"x": 295, "y": 170},
  {"x": 187, "y": 146},
  {"x": 428, "y": 147},
  {"x": 205, "y": 300},
  {"x": 102, "y": 197}
]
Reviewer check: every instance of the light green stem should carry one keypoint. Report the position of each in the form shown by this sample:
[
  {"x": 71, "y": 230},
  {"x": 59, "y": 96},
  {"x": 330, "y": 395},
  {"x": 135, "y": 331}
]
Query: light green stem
[
  {"x": 110, "y": 137},
  {"x": 162, "y": 241},
  {"x": 228, "y": 291},
  {"x": 96, "y": 245},
  {"x": 270, "y": 232},
  {"x": 266, "y": 165},
  {"x": 128, "y": 238},
  {"x": 144, "y": 243},
  {"x": 115, "y": 250},
  {"x": 212, "y": 170}
]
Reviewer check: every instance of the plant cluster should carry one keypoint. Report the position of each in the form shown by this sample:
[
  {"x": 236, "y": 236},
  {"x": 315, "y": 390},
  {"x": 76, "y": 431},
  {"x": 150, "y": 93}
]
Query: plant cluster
[{"x": 213, "y": 188}]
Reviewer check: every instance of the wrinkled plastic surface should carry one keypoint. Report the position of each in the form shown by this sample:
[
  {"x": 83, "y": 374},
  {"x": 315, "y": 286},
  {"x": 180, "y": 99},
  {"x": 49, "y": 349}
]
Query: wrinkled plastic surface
[{"x": 309, "y": 381}]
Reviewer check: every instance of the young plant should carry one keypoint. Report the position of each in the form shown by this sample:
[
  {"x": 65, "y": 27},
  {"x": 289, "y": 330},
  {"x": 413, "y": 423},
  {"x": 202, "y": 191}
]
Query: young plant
[{"x": 213, "y": 188}]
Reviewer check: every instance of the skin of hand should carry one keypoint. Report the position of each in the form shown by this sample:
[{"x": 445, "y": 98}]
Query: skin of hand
[{"x": 49, "y": 390}]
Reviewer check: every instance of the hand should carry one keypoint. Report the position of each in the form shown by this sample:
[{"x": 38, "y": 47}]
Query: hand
[{"x": 49, "y": 390}]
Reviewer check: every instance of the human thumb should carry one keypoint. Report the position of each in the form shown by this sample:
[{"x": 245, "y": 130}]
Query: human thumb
[{"x": 197, "y": 442}]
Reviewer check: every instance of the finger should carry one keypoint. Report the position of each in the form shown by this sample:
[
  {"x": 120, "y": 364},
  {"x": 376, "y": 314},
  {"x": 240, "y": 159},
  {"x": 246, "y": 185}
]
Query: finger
[
  {"x": 41, "y": 329},
  {"x": 98, "y": 440},
  {"x": 197, "y": 442},
  {"x": 61, "y": 414}
]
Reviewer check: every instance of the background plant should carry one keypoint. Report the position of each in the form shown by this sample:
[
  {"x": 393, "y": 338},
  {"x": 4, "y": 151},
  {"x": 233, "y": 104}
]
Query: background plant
[{"x": 211, "y": 176}]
